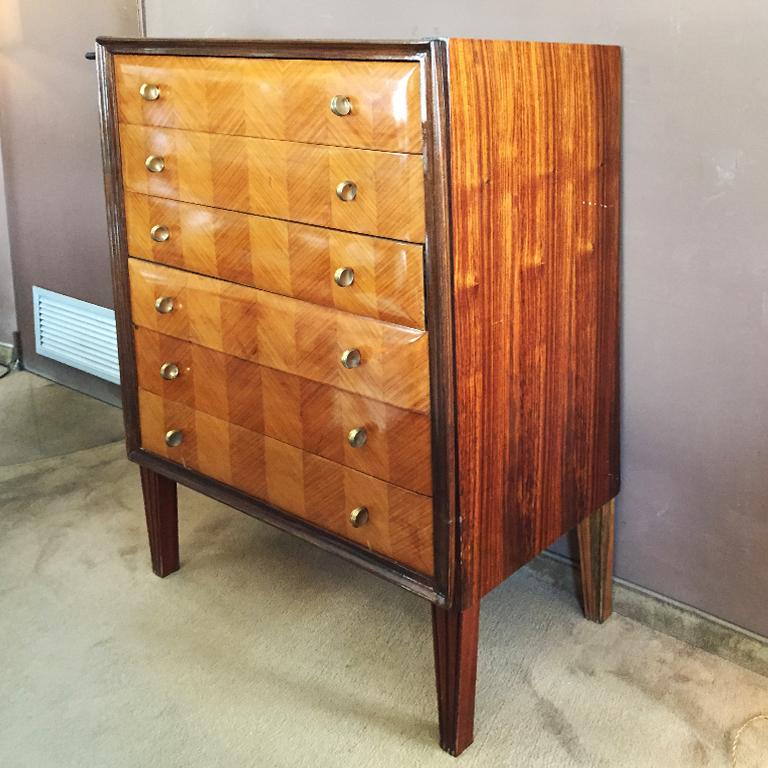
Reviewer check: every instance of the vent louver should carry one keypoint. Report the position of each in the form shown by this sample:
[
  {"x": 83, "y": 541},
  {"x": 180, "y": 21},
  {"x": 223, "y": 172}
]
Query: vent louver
[{"x": 76, "y": 333}]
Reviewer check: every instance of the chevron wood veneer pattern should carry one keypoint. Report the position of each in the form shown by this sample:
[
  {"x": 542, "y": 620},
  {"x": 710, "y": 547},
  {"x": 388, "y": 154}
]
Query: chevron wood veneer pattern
[
  {"x": 311, "y": 416},
  {"x": 291, "y": 259},
  {"x": 277, "y": 99},
  {"x": 281, "y": 179},
  {"x": 287, "y": 334},
  {"x": 316, "y": 489}
]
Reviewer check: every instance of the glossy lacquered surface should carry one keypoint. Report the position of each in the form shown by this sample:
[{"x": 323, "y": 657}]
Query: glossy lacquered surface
[
  {"x": 277, "y": 99},
  {"x": 287, "y": 334},
  {"x": 320, "y": 491},
  {"x": 312, "y": 416},
  {"x": 279, "y": 256},
  {"x": 281, "y": 179},
  {"x": 536, "y": 287}
]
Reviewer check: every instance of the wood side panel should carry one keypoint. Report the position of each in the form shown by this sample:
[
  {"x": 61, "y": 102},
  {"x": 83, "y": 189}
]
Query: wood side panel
[
  {"x": 535, "y": 211},
  {"x": 276, "y": 99},
  {"x": 286, "y": 334},
  {"x": 281, "y": 179},
  {"x": 279, "y": 256},
  {"x": 303, "y": 413},
  {"x": 318, "y": 490}
]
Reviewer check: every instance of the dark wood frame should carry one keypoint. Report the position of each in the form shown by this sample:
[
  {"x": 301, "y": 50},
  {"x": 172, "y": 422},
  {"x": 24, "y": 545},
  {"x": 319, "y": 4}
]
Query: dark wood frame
[{"x": 443, "y": 588}]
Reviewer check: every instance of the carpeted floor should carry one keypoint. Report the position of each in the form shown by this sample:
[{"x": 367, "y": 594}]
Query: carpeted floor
[{"x": 263, "y": 651}]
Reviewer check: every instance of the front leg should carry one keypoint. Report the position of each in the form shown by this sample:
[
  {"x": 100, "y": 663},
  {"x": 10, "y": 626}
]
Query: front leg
[
  {"x": 595, "y": 535},
  {"x": 455, "y": 635},
  {"x": 161, "y": 510}
]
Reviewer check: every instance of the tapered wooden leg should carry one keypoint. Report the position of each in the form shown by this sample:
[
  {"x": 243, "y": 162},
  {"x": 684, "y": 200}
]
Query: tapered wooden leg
[
  {"x": 595, "y": 535},
  {"x": 160, "y": 507},
  {"x": 455, "y": 635}
]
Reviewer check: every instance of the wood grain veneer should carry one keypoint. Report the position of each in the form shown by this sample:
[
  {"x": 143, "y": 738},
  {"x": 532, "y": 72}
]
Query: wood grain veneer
[
  {"x": 535, "y": 200},
  {"x": 282, "y": 257},
  {"x": 286, "y": 334},
  {"x": 308, "y": 415},
  {"x": 277, "y": 99},
  {"x": 281, "y": 179},
  {"x": 318, "y": 490}
]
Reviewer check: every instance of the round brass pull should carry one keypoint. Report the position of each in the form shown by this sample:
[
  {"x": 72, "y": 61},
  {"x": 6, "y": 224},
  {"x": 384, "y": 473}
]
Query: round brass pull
[
  {"x": 351, "y": 358},
  {"x": 344, "y": 277},
  {"x": 346, "y": 191},
  {"x": 358, "y": 516},
  {"x": 154, "y": 163},
  {"x": 169, "y": 371},
  {"x": 149, "y": 92},
  {"x": 164, "y": 304},
  {"x": 174, "y": 438},
  {"x": 341, "y": 105},
  {"x": 160, "y": 233},
  {"x": 357, "y": 437}
]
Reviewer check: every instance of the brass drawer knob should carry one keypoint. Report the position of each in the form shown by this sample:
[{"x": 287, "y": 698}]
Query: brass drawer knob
[
  {"x": 149, "y": 92},
  {"x": 344, "y": 277},
  {"x": 164, "y": 304},
  {"x": 174, "y": 438},
  {"x": 358, "y": 517},
  {"x": 169, "y": 371},
  {"x": 346, "y": 191},
  {"x": 341, "y": 105},
  {"x": 351, "y": 358},
  {"x": 160, "y": 233},
  {"x": 357, "y": 437},
  {"x": 154, "y": 163}
]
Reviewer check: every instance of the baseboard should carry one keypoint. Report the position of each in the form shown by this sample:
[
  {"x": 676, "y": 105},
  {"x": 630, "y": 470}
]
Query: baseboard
[
  {"x": 7, "y": 353},
  {"x": 666, "y": 615}
]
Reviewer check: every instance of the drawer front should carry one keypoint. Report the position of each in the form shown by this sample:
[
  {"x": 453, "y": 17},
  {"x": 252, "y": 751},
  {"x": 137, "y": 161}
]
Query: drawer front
[
  {"x": 282, "y": 257},
  {"x": 387, "y": 442},
  {"x": 284, "y": 333},
  {"x": 281, "y": 179},
  {"x": 276, "y": 99},
  {"x": 399, "y": 523}
]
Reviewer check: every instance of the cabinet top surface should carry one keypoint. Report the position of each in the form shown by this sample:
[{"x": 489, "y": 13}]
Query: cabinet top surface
[{"x": 276, "y": 47}]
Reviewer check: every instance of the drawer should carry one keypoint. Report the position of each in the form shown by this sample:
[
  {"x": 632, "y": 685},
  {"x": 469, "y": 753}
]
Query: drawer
[
  {"x": 281, "y": 179},
  {"x": 387, "y": 442},
  {"x": 325, "y": 493},
  {"x": 282, "y": 257},
  {"x": 284, "y": 333},
  {"x": 276, "y": 99}
]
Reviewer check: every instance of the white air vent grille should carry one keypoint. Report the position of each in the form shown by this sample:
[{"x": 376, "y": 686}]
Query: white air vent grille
[{"x": 76, "y": 333}]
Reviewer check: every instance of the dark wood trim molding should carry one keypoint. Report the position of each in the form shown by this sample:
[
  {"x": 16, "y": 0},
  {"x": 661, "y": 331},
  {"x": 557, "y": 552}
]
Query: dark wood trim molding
[
  {"x": 370, "y": 561},
  {"x": 389, "y": 50},
  {"x": 438, "y": 277}
]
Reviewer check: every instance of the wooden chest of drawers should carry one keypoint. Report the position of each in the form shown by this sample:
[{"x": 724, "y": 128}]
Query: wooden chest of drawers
[{"x": 368, "y": 293}]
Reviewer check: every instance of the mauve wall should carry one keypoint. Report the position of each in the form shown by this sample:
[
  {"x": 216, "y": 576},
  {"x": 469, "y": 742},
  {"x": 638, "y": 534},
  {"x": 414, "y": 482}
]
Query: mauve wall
[
  {"x": 693, "y": 513},
  {"x": 53, "y": 180},
  {"x": 7, "y": 304}
]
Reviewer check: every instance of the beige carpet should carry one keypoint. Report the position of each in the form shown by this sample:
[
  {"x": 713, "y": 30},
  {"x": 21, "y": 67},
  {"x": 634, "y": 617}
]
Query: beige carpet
[{"x": 263, "y": 651}]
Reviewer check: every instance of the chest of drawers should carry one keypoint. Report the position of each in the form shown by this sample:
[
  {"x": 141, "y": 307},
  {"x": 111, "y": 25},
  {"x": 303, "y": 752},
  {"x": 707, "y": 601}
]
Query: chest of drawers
[{"x": 368, "y": 293}]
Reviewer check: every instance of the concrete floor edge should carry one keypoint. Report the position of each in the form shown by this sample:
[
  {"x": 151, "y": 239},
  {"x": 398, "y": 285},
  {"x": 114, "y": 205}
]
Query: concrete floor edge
[{"x": 666, "y": 615}]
